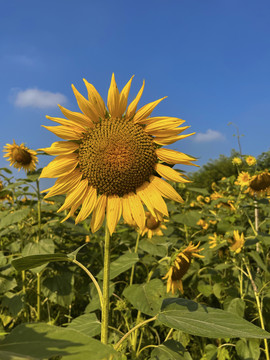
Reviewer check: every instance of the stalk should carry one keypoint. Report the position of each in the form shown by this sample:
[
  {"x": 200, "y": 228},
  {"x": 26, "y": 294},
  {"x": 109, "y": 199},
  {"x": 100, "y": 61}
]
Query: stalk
[
  {"x": 135, "y": 252},
  {"x": 256, "y": 294},
  {"x": 106, "y": 296}
]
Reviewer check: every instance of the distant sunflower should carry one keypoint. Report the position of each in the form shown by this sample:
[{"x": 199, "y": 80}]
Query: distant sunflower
[
  {"x": 260, "y": 184},
  {"x": 213, "y": 241},
  {"x": 180, "y": 267},
  {"x": 238, "y": 242},
  {"x": 250, "y": 160},
  {"x": 236, "y": 161},
  {"x": 111, "y": 161},
  {"x": 153, "y": 226},
  {"x": 21, "y": 156},
  {"x": 243, "y": 179}
]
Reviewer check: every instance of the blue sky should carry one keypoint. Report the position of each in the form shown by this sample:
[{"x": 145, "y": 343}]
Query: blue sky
[{"x": 210, "y": 57}]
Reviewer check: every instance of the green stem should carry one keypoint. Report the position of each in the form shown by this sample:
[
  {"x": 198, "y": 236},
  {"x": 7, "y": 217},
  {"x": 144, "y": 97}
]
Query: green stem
[
  {"x": 92, "y": 278},
  {"x": 39, "y": 211},
  {"x": 133, "y": 329},
  {"x": 106, "y": 296},
  {"x": 135, "y": 252},
  {"x": 38, "y": 295},
  {"x": 255, "y": 290}
]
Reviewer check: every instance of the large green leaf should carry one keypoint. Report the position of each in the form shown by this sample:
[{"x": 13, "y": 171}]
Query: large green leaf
[
  {"x": 146, "y": 297},
  {"x": 59, "y": 288},
  {"x": 44, "y": 246},
  {"x": 87, "y": 324},
  {"x": 32, "y": 261},
  {"x": 6, "y": 355},
  {"x": 189, "y": 218},
  {"x": 154, "y": 246},
  {"x": 13, "y": 218},
  {"x": 197, "y": 319},
  {"x": 170, "y": 350},
  {"x": 42, "y": 341},
  {"x": 248, "y": 349},
  {"x": 122, "y": 264}
]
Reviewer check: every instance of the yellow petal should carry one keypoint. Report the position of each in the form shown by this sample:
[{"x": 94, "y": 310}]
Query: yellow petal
[
  {"x": 60, "y": 166},
  {"x": 75, "y": 195},
  {"x": 66, "y": 122},
  {"x": 174, "y": 157},
  {"x": 88, "y": 205},
  {"x": 145, "y": 111},
  {"x": 172, "y": 131},
  {"x": 64, "y": 184},
  {"x": 144, "y": 196},
  {"x": 77, "y": 118},
  {"x": 64, "y": 132},
  {"x": 127, "y": 214},
  {"x": 124, "y": 97},
  {"x": 61, "y": 148},
  {"x": 163, "y": 122},
  {"x": 114, "y": 211},
  {"x": 166, "y": 189},
  {"x": 170, "y": 174},
  {"x": 85, "y": 106},
  {"x": 113, "y": 99},
  {"x": 137, "y": 210},
  {"x": 157, "y": 201},
  {"x": 99, "y": 213},
  {"x": 133, "y": 106},
  {"x": 95, "y": 99},
  {"x": 170, "y": 140}
]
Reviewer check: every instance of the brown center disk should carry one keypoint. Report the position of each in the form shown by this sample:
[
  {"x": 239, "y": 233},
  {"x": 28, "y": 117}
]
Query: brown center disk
[
  {"x": 21, "y": 156},
  {"x": 117, "y": 156}
]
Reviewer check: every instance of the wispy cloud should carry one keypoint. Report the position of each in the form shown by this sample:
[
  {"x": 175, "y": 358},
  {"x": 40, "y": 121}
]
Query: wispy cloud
[
  {"x": 208, "y": 136},
  {"x": 38, "y": 98}
]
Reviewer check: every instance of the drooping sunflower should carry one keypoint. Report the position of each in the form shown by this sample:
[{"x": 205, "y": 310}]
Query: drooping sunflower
[
  {"x": 238, "y": 242},
  {"x": 259, "y": 184},
  {"x": 153, "y": 225},
  {"x": 251, "y": 160},
  {"x": 21, "y": 156},
  {"x": 111, "y": 161},
  {"x": 180, "y": 267}
]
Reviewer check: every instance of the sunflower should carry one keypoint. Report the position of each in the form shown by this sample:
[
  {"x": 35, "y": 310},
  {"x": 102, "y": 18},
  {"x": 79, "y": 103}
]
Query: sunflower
[
  {"x": 21, "y": 156},
  {"x": 236, "y": 161},
  {"x": 260, "y": 184},
  {"x": 213, "y": 241},
  {"x": 243, "y": 179},
  {"x": 250, "y": 160},
  {"x": 153, "y": 225},
  {"x": 238, "y": 242},
  {"x": 203, "y": 224},
  {"x": 112, "y": 160},
  {"x": 180, "y": 267}
]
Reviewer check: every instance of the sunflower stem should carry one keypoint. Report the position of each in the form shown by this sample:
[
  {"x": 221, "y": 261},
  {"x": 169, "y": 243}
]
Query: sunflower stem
[
  {"x": 38, "y": 295},
  {"x": 135, "y": 252},
  {"x": 39, "y": 211},
  {"x": 106, "y": 296},
  {"x": 259, "y": 307}
]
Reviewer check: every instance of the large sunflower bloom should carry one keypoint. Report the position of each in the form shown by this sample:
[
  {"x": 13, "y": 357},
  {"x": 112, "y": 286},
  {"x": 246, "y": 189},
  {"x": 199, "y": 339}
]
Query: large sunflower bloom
[
  {"x": 180, "y": 267},
  {"x": 243, "y": 179},
  {"x": 21, "y": 156},
  {"x": 111, "y": 161},
  {"x": 260, "y": 184},
  {"x": 251, "y": 160}
]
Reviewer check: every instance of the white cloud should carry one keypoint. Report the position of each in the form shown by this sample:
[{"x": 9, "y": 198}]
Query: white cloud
[
  {"x": 38, "y": 98},
  {"x": 210, "y": 135}
]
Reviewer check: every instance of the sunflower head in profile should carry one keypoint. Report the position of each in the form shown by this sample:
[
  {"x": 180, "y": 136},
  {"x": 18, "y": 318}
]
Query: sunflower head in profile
[
  {"x": 238, "y": 242},
  {"x": 153, "y": 225},
  {"x": 259, "y": 184},
  {"x": 180, "y": 266},
  {"x": 20, "y": 156},
  {"x": 251, "y": 160},
  {"x": 112, "y": 162}
]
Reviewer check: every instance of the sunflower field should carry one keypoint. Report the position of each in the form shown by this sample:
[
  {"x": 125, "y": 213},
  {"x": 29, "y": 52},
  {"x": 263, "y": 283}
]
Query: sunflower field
[{"x": 99, "y": 266}]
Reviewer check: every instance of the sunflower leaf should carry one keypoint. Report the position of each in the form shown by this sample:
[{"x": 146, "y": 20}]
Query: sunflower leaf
[
  {"x": 170, "y": 350},
  {"x": 196, "y": 319},
  {"x": 33, "y": 261}
]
